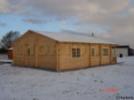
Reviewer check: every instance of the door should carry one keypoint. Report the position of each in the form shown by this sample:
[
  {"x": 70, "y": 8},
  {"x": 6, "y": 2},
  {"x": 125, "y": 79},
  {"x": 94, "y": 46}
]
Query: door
[
  {"x": 30, "y": 55},
  {"x": 94, "y": 55}
]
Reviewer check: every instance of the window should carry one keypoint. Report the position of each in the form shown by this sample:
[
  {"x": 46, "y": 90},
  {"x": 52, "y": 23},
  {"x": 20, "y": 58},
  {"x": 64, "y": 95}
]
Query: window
[
  {"x": 78, "y": 52},
  {"x": 105, "y": 52},
  {"x": 93, "y": 51},
  {"x": 30, "y": 52},
  {"x": 75, "y": 52}
]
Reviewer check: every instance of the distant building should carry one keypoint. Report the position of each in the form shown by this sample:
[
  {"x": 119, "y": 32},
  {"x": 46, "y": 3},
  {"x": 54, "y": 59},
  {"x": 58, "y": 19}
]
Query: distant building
[
  {"x": 124, "y": 51},
  {"x": 131, "y": 52},
  {"x": 10, "y": 53}
]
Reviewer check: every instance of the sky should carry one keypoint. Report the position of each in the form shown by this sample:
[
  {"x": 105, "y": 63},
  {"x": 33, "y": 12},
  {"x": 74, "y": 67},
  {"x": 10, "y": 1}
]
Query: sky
[{"x": 109, "y": 19}]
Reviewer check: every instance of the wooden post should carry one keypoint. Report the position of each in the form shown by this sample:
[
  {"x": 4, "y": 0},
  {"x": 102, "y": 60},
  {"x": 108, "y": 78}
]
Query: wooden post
[
  {"x": 57, "y": 54},
  {"x": 89, "y": 55},
  {"x": 100, "y": 54},
  {"x": 36, "y": 53},
  {"x": 110, "y": 54}
]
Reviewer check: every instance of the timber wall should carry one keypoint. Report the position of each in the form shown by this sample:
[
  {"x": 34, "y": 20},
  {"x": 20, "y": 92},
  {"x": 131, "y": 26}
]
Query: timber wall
[
  {"x": 42, "y": 51},
  {"x": 35, "y": 50},
  {"x": 67, "y": 62}
]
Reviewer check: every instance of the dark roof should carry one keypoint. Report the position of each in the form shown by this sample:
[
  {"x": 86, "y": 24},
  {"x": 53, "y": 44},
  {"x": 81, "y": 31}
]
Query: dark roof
[{"x": 123, "y": 46}]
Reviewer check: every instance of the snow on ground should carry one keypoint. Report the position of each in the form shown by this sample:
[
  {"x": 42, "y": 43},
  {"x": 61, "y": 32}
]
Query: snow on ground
[
  {"x": 3, "y": 56},
  {"x": 17, "y": 83}
]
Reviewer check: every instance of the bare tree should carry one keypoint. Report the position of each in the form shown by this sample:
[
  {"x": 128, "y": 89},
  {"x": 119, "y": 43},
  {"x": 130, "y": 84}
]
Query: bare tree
[{"x": 9, "y": 38}]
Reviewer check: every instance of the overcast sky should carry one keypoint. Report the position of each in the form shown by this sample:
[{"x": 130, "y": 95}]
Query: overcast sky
[{"x": 110, "y": 19}]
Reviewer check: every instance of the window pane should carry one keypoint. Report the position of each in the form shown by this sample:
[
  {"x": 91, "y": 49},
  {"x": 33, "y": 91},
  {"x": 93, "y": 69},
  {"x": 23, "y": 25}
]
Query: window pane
[
  {"x": 28, "y": 52},
  {"x": 78, "y": 52},
  {"x": 93, "y": 52},
  {"x": 73, "y": 52}
]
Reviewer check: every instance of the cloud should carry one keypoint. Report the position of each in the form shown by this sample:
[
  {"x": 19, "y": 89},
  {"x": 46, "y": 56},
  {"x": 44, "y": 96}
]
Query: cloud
[
  {"x": 65, "y": 7},
  {"x": 131, "y": 10},
  {"x": 4, "y": 4},
  {"x": 13, "y": 6},
  {"x": 114, "y": 17},
  {"x": 34, "y": 21}
]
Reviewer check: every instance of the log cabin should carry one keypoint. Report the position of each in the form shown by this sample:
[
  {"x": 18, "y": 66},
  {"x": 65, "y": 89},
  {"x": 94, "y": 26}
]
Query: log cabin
[{"x": 62, "y": 51}]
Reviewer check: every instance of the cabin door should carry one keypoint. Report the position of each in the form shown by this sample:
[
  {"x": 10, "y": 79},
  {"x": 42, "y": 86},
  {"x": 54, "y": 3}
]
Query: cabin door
[
  {"x": 40, "y": 55},
  {"x": 94, "y": 55},
  {"x": 30, "y": 55}
]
